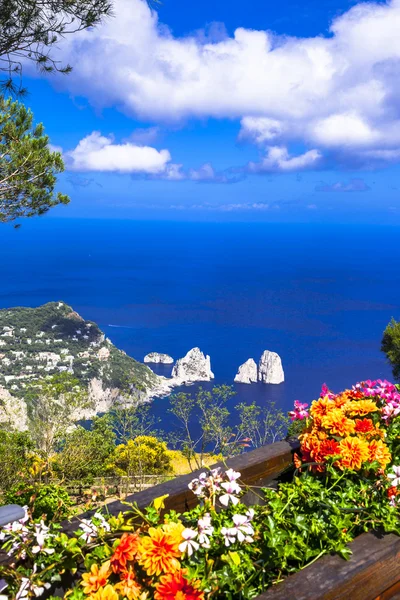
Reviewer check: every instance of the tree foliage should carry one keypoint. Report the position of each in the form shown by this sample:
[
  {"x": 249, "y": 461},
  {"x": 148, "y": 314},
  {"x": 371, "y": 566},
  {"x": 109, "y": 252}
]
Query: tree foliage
[
  {"x": 391, "y": 346},
  {"x": 144, "y": 455},
  {"x": 205, "y": 425},
  {"x": 84, "y": 453},
  {"x": 53, "y": 406},
  {"x": 15, "y": 458},
  {"x": 29, "y": 29},
  {"x": 28, "y": 167}
]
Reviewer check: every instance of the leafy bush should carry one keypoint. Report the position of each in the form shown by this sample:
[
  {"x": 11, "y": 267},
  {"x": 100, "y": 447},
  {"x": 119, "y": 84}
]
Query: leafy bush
[
  {"x": 49, "y": 500},
  {"x": 391, "y": 346},
  {"x": 145, "y": 455},
  {"x": 15, "y": 457}
]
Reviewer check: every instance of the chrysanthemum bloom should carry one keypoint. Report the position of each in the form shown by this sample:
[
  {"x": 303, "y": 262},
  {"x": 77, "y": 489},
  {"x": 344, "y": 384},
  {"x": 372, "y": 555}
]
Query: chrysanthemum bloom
[
  {"x": 128, "y": 587},
  {"x": 354, "y": 451},
  {"x": 125, "y": 552},
  {"x": 177, "y": 587},
  {"x": 364, "y": 426},
  {"x": 309, "y": 446},
  {"x": 97, "y": 578},
  {"x": 328, "y": 448},
  {"x": 174, "y": 530},
  {"x": 361, "y": 408},
  {"x": 337, "y": 423},
  {"x": 342, "y": 399},
  {"x": 159, "y": 552},
  {"x": 105, "y": 593},
  {"x": 320, "y": 408},
  {"x": 380, "y": 452}
]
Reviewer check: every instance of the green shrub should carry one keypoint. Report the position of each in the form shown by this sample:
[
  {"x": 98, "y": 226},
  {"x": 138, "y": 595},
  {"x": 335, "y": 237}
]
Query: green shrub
[{"x": 49, "y": 500}]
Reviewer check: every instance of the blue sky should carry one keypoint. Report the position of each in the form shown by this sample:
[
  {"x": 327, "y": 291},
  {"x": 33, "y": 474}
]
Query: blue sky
[{"x": 230, "y": 110}]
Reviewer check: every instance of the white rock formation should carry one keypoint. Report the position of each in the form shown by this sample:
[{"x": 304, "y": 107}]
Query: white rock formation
[
  {"x": 195, "y": 366},
  {"x": 158, "y": 358},
  {"x": 270, "y": 368},
  {"x": 247, "y": 372}
]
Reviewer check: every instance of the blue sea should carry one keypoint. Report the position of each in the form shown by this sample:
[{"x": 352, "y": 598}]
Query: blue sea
[{"x": 319, "y": 295}]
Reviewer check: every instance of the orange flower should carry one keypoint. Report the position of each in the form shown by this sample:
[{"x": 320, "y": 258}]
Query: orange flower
[
  {"x": 364, "y": 426},
  {"x": 380, "y": 452},
  {"x": 361, "y": 407},
  {"x": 320, "y": 408},
  {"x": 159, "y": 552},
  {"x": 337, "y": 423},
  {"x": 392, "y": 492},
  {"x": 177, "y": 587},
  {"x": 354, "y": 452},
  {"x": 125, "y": 552},
  {"x": 105, "y": 593},
  {"x": 97, "y": 578},
  {"x": 328, "y": 448},
  {"x": 128, "y": 587},
  {"x": 342, "y": 399}
]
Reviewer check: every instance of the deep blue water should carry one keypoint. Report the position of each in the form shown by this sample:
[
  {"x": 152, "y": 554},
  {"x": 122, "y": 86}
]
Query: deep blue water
[{"x": 319, "y": 295}]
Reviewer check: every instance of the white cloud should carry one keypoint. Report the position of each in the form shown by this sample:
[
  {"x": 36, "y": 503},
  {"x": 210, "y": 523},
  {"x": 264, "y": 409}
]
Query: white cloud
[
  {"x": 278, "y": 159},
  {"x": 97, "y": 152},
  {"x": 337, "y": 95}
]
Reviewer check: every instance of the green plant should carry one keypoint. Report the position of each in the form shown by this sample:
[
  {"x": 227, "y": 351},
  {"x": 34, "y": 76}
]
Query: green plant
[
  {"x": 49, "y": 500},
  {"x": 28, "y": 167},
  {"x": 391, "y": 346}
]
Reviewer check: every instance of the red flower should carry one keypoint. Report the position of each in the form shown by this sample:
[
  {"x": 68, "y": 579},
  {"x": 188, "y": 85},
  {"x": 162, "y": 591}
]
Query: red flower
[
  {"x": 175, "y": 586},
  {"x": 364, "y": 425},
  {"x": 125, "y": 552},
  {"x": 392, "y": 492},
  {"x": 328, "y": 447}
]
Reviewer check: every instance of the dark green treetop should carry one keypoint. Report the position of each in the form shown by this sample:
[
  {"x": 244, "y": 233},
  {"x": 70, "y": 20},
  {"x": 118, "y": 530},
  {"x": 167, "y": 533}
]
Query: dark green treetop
[
  {"x": 30, "y": 28},
  {"x": 28, "y": 166},
  {"x": 391, "y": 346}
]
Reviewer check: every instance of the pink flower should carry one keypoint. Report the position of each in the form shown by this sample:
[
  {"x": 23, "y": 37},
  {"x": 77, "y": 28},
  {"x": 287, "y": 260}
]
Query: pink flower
[
  {"x": 326, "y": 392},
  {"x": 299, "y": 411}
]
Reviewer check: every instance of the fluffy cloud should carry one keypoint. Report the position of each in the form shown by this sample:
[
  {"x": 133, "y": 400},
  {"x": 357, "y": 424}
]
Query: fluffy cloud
[
  {"x": 97, "y": 152},
  {"x": 278, "y": 159},
  {"x": 354, "y": 185},
  {"x": 338, "y": 95}
]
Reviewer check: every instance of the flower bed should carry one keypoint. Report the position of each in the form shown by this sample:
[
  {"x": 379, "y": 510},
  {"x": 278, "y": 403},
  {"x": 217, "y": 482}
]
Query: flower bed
[{"x": 346, "y": 482}]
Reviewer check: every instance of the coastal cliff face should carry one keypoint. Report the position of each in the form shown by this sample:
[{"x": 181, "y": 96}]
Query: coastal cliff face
[
  {"x": 247, "y": 372},
  {"x": 53, "y": 338},
  {"x": 195, "y": 366}
]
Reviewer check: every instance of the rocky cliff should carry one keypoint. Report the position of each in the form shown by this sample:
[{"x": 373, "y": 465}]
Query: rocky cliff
[
  {"x": 269, "y": 370},
  {"x": 195, "y": 366},
  {"x": 247, "y": 372},
  {"x": 158, "y": 358},
  {"x": 50, "y": 339}
]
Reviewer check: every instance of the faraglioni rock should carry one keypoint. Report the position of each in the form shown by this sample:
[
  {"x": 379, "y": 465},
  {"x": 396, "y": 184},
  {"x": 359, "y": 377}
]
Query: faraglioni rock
[
  {"x": 270, "y": 368},
  {"x": 195, "y": 366},
  {"x": 247, "y": 372},
  {"x": 158, "y": 358}
]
